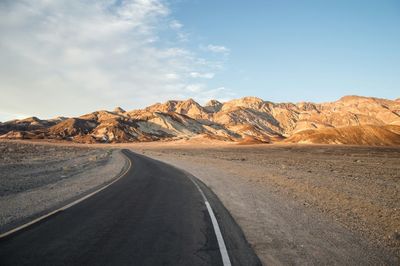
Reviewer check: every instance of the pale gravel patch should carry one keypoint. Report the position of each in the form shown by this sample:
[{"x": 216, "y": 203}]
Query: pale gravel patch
[
  {"x": 281, "y": 230},
  {"x": 16, "y": 207}
]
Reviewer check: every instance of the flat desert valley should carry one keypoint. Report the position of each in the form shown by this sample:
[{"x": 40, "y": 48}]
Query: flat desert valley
[
  {"x": 199, "y": 133},
  {"x": 296, "y": 204}
]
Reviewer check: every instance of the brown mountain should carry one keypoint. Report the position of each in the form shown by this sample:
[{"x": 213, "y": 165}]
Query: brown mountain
[
  {"x": 356, "y": 135},
  {"x": 350, "y": 120}
]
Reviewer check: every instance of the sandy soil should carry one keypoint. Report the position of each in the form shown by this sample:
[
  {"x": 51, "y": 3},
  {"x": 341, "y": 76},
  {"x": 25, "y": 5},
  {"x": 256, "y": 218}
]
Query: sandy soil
[
  {"x": 302, "y": 204},
  {"x": 39, "y": 177}
]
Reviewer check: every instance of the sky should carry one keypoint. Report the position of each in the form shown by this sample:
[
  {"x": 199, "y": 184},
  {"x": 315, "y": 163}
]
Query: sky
[{"x": 69, "y": 57}]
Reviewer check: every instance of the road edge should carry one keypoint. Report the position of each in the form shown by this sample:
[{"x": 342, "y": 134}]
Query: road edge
[
  {"x": 69, "y": 205},
  {"x": 218, "y": 234},
  {"x": 219, "y": 210}
]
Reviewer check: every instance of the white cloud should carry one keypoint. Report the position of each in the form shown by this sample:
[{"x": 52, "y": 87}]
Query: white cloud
[
  {"x": 217, "y": 49},
  {"x": 175, "y": 24},
  {"x": 172, "y": 76},
  {"x": 202, "y": 75},
  {"x": 195, "y": 87},
  {"x": 68, "y": 57}
]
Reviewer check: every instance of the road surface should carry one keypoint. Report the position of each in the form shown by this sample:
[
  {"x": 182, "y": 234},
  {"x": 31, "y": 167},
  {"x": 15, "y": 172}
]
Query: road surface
[{"x": 154, "y": 215}]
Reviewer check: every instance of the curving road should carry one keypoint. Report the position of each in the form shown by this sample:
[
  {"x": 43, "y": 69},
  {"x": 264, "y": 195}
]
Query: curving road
[{"x": 154, "y": 215}]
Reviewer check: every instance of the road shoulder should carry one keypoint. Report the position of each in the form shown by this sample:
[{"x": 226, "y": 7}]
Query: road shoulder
[
  {"x": 26, "y": 206},
  {"x": 280, "y": 230}
]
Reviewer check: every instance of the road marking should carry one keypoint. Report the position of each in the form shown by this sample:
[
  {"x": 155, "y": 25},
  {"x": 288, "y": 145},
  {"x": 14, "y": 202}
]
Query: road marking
[
  {"x": 68, "y": 205},
  {"x": 221, "y": 243}
]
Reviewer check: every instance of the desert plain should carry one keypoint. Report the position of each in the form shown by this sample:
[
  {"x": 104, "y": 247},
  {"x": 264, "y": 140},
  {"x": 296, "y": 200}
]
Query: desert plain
[{"x": 297, "y": 204}]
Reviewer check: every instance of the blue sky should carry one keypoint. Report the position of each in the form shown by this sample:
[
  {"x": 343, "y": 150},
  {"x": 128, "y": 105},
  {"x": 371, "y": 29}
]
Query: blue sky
[
  {"x": 301, "y": 50},
  {"x": 71, "y": 57}
]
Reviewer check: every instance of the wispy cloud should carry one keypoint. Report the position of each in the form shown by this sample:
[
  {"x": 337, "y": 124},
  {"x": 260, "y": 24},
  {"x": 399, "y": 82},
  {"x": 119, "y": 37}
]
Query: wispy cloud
[
  {"x": 217, "y": 49},
  {"x": 70, "y": 57},
  {"x": 202, "y": 75},
  {"x": 174, "y": 24}
]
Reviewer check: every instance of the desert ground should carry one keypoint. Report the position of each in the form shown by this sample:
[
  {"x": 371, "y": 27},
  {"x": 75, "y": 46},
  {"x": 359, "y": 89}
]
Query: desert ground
[
  {"x": 297, "y": 204},
  {"x": 37, "y": 177}
]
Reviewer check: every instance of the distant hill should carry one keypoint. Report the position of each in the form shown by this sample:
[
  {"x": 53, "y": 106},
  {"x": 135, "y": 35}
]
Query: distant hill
[
  {"x": 355, "y": 135},
  {"x": 350, "y": 120}
]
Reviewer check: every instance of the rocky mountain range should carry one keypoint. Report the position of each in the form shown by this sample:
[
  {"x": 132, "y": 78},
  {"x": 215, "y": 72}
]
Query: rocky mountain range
[{"x": 349, "y": 120}]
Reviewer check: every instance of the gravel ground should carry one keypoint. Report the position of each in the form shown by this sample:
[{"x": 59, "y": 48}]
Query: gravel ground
[
  {"x": 302, "y": 204},
  {"x": 35, "y": 178},
  {"x": 297, "y": 204}
]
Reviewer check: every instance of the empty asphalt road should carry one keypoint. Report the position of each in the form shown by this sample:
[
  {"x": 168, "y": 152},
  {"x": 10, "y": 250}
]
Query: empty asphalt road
[{"x": 154, "y": 215}]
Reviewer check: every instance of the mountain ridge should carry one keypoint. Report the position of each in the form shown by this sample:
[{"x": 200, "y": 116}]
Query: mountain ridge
[{"x": 244, "y": 120}]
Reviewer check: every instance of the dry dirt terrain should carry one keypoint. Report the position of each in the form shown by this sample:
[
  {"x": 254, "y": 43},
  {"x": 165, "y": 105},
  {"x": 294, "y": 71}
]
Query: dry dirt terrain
[
  {"x": 302, "y": 204},
  {"x": 297, "y": 204},
  {"x": 38, "y": 177}
]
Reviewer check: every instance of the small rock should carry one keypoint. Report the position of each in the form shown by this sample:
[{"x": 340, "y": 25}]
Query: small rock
[{"x": 395, "y": 236}]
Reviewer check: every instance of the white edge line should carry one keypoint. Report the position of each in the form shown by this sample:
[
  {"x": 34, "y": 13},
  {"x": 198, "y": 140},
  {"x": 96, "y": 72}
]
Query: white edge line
[
  {"x": 68, "y": 205},
  {"x": 221, "y": 243}
]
